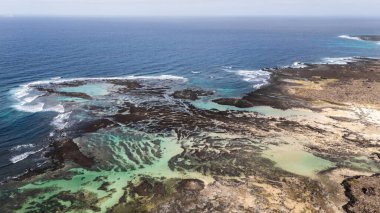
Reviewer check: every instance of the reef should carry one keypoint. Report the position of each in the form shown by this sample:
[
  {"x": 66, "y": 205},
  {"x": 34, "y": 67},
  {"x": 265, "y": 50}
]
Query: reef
[
  {"x": 308, "y": 141},
  {"x": 191, "y": 94}
]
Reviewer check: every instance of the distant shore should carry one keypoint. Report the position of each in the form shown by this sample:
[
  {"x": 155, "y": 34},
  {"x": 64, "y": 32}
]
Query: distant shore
[
  {"x": 369, "y": 37},
  {"x": 374, "y": 38}
]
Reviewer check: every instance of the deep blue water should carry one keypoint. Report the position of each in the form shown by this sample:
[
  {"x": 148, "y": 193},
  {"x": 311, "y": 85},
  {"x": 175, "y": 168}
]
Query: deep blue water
[{"x": 199, "y": 49}]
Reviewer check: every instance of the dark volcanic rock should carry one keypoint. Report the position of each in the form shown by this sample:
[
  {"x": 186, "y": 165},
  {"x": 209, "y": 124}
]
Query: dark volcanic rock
[
  {"x": 95, "y": 125},
  {"x": 127, "y": 83},
  {"x": 190, "y": 94},
  {"x": 241, "y": 103},
  {"x": 369, "y": 37},
  {"x": 59, "y": 151},
  {"x": 363, "y": 192},
  {"x": 70, "y": 83},
  {"x": 104, "y": 186},
  {"x": 66, "y": 149},
  {"x": 278, "y": 94},
  {"x": 149, "y": 187},
  {"x": 66, "y": 94}
]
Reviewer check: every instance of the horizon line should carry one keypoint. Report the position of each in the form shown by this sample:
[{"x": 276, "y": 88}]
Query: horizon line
[{"x": 186, "y": 16}]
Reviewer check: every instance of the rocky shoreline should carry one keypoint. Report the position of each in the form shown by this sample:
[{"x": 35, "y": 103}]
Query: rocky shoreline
[
  {"x": 306, "y": 142},
  {"x": 369, "y": 37}
]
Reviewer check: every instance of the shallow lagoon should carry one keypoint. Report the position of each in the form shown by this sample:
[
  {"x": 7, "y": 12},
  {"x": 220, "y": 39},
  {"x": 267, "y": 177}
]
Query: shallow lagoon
[
  {"x": 208, "y": 104},
  {"x": 91, "y": 89},
  {"x": 118, "y": 178},
  {"x": 295, "y": 160}
]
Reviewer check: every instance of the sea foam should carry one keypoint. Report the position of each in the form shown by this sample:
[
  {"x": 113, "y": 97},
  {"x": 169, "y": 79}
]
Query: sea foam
[
  {"x": 22, "y": 146},
  {"x": 61, "y": 120},
  {"x": 39, "y": 107},
  {"x": 298, "y": 65},
  {"x": 350, "y": 37},
  {"x": 338, "y": 60},
  {"x": 27, "y": 100},
  {"x": 259, "y": 78},
  {"x": 129, "y": 77},
  {"x": 20, "y": 157}
]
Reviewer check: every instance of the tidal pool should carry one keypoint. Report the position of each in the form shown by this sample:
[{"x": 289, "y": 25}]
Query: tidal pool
[
  {"x": 91, "y": 89},
  {"x": 295, "y": 160},
  {"x": 362, "y": 163},
  {"x": 113, "y": 170},
  {"x": 263, "y": 110}
]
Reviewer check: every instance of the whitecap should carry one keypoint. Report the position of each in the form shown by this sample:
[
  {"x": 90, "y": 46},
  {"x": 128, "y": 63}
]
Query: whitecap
[
  {"x": 130, "y": 77},
  {"x": 258, "y": 77},
  {"x": 195, "y": 72},
  {"x": 39, "y": 107},
  {"x": 61, "y": 120},
  {"x": 30, "y": 99},
  {"x": 21, "y": 91},
  {"x": 23, "y": 146},
  {"x": 350, "y": 37},
  {"x": 57, "y": 108},
  {"x": 298, "y": 65},
  {"x": 25, "y": 94},
  {"x": 24, "y": 89},
  {"x": 227, "y": 67},
  {"x": 338, "y": 60},
  {"x": 22, "y": 156}
]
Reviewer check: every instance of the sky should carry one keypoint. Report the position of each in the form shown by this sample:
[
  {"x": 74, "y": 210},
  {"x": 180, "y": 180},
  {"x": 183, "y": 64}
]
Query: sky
[{"x": 366, "y": 8}]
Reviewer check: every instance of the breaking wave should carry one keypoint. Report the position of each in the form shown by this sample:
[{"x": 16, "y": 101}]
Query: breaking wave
[
  {"x": 338, "y": 60},
  {"x": 259, "y": 78},
  {"x": 30, "y": 99},
  {"x": 350, "y": 37},
  {"x": 23, "y": 146},
  {"x": 23, "y": 156},
  {"x": 26, "y": 97}
]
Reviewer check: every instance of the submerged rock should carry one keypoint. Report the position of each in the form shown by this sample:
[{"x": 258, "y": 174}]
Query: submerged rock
[
  {"x": 66, "y": 94},
  {"x": 67, "y": 149},
  {"x": 191, "y": 94},
  {"x": 240, "y": 103}
]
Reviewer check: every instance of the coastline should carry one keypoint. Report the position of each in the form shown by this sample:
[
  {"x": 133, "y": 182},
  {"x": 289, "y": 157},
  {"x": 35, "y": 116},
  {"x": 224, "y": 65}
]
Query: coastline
[
  {"x": 346, "y": 93},
  {"x": 317, "y": 111}
]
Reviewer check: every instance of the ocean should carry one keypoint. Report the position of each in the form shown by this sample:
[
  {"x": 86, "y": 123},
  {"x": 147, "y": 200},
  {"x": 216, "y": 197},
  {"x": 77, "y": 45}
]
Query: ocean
[{"x": 224, "y": 55}]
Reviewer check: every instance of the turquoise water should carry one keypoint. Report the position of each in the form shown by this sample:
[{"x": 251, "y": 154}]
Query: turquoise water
[
  {"x": 89, "y": 89},
  {"x": 206, "y": 103},
  {"x": 110, "y": 146},
  {"x": 295, "y": 160},
  {"x": 209, "y": 53}
]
